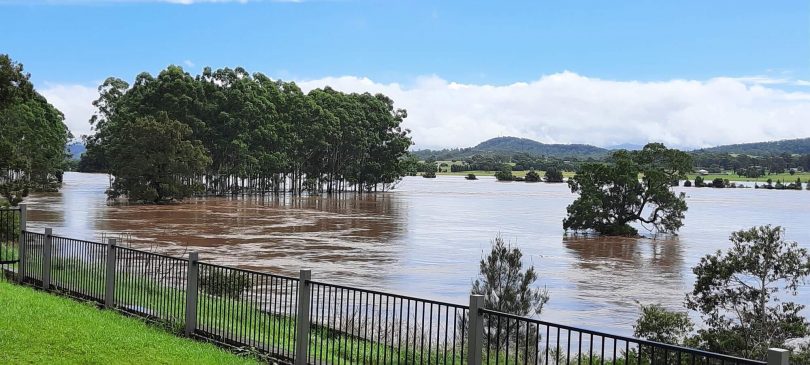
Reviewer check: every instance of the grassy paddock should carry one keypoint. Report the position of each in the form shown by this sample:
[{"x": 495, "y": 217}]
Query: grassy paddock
[
  {"x": 40, "y": 328},
  {"x": 785, "y": 177}
]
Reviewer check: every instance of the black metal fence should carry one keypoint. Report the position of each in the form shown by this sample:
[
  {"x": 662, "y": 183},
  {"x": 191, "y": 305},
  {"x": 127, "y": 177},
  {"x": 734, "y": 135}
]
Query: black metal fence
[
  {"x": 9, "y": 236},
  {"x": 510, "y": 339},
  {"x": 341, "y": 324}
]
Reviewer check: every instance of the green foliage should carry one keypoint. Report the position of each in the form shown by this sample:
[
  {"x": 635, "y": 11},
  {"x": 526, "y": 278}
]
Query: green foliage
[
  {"x": 150, "y": 158},
  {"x": 699, "y": 182},
  {"x": 532, "y": 176},
  {"x": 658, "y": 324},
  {"x": 790, "y": 146},
  {"x": 514, "y": 145},
  {"x": 253, "y": 127},
  {"x": 32, "y": 136},
  {"x": 507, "y": 288},
  {"x": 505, "y": 285},
  {"x": 611, "y": 194},
  {"x": 505, "y": 173},
  {"x": 741, "y": 293},
  {"x": 228, "y": 283},
  {"x": 687, "y": 183},
  {"x": 471, "y": 177},
  {"x": 554, "y": 175}
]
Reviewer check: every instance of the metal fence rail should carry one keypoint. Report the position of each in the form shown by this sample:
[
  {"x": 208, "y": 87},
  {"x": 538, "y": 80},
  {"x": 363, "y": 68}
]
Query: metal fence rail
[
  {"x": 304, "y": 321},
  {"x": 150, "y": 285},
  {"x": 247, "y": 308},
  {"x": 510, "y": 339},
  {"x": 366, "y": 326},
  {"x": 9, "y": 236}
]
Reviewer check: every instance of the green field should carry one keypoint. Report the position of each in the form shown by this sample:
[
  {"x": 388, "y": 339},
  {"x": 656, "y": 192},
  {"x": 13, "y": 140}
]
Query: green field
[
  {"x": 40, "y": 328},
  {"x": 785, "y": 177}
]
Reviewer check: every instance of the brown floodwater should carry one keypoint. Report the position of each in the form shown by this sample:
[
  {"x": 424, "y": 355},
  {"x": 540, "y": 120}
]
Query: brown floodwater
[{"x": 426, "y": 237}]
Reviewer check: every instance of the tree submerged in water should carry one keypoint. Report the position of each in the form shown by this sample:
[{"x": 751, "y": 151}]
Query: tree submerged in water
[{"x": 633, "y": 186}]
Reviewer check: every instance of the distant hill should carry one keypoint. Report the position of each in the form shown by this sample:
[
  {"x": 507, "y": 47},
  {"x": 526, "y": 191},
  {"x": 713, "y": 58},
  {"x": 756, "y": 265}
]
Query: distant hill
[
  {"x": 791, "y": 146},
  {"x": 75, "y": 149},
  {"x": 512, "y": 145}
]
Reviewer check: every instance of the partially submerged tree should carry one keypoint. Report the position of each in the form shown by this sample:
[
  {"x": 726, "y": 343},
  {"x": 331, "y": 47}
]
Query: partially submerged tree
[
  {"x": 741, "y": 293},
  {"x": 633, "y": 187},
  {"x": 152, "y": 158},
  {"x": 532, "y": 176},
  {"x": 554, "y": 175}
]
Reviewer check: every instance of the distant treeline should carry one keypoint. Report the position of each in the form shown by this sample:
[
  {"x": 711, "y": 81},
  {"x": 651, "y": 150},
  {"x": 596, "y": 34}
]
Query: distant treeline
[
  {"x": 242, "y": 131},
  {"x": 32, "y": 136},
  {"x": 751, "y": 166},
  {"x": 744, "y": 165}
]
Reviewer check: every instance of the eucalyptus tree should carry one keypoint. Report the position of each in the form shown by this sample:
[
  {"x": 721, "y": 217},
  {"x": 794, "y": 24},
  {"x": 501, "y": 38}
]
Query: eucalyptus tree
[
  {"x": 32, "y": 136},
  {"x": 263, "y": 134}
]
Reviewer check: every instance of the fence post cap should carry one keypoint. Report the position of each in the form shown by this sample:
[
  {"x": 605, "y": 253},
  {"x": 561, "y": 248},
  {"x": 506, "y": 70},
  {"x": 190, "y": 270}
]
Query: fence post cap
[
  {"x": 777, "y": 356},
  {"x": 111, "y": 242},
  {"x": 305, "y": 274},
  {"x": 194, "y": 256},
  {"x": 48, "y": 231}
]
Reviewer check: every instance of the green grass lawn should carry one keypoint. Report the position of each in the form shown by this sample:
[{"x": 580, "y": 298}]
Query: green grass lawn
[{"x": 40, "y": 328}]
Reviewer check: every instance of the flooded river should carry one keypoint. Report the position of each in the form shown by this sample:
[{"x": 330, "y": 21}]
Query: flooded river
[{"x": 426, "y": 238}]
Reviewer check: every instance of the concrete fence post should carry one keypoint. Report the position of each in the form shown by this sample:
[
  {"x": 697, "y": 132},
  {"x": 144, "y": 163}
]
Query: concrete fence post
[
  {"x": 778, "y": 356},
  {"x": 475, "y": 331},
  {"x": 21, "y": 249},
  {"x": 302, "y": 317},
  {"x": 192, "y": 284},
  {"x": 109, "y": 275},
  {"x": 46, "y": 259}
]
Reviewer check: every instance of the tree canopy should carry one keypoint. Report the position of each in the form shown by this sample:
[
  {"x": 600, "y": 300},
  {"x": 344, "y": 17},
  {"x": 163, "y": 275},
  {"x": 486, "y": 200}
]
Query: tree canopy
[
  {"x": 632, "y": 186},
  {"x": 261, "y": 133},
  {"x": 32, "y": 136}
]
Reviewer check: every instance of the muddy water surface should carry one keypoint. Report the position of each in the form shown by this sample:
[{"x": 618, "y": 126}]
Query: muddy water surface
[{"x": 426, "y": 238}]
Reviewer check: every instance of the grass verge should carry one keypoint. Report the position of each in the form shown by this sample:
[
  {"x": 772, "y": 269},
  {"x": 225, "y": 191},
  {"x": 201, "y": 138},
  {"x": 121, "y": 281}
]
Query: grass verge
[{"x": 40, "y": 328}]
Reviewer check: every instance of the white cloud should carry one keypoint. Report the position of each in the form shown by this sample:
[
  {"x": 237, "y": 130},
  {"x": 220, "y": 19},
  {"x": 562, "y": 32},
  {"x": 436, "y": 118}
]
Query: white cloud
[
  {"x": 75, "y": 102},
  {"x": 561, "y": 108},
  {"x": 570, "y": 108},
  {"x": 188, "y": 63}
]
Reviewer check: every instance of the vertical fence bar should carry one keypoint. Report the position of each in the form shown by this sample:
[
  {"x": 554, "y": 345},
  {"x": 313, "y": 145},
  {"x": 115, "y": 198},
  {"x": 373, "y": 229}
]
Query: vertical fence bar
[
  {"x": 21, "y": 249},
  {"x": 46, "y": 259},
  {"x": 192, "y": 275},
  {"x": 475, "y": 333},
  {"x": 109, "y": 275},
  {"x": 302, "y": 318},
  {"x": 778, "y": 356}
]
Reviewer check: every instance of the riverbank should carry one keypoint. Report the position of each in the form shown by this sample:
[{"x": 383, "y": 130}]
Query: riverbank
[{"x": 41, "y": 328}]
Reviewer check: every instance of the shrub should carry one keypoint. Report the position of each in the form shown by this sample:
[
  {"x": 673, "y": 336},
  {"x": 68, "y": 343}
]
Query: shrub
[
  {"x": 532, "y": 176},
  {"x": 554, "y": 175},
  {"x": 471, "y": 177},
  {"x": 687, "y": 183},
  {"x": 225, "y": 283}
]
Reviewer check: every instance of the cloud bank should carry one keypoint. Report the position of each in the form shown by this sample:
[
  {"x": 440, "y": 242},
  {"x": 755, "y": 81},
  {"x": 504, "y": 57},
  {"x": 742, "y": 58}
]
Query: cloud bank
[{"x": 562, "y": 108}]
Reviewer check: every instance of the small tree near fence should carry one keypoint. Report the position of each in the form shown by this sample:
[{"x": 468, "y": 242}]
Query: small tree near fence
[{"x": 508, "y": 288}]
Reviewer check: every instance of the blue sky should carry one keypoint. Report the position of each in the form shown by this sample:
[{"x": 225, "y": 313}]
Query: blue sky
[{"x": 407, "y": 44}]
